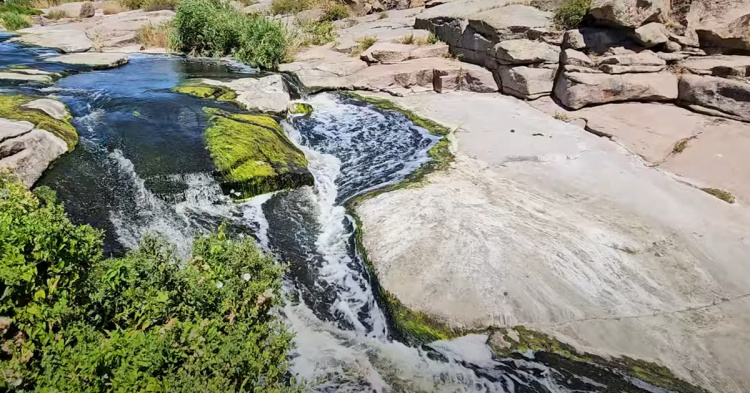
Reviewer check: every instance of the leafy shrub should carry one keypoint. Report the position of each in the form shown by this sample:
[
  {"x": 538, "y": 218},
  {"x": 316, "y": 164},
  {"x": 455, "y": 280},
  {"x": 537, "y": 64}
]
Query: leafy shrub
[
  {"x": 209, "y": 28},
  {"x": 570, "y": 13},
  {"x": 14, "y": 21},
  {"x": 158, "y": 5},
  {"x": 335, "y": 11},
  {"x": 57, "y": 14},
  {"x": 318, "y": 33},
  {"x": 283, "y": 7},
  {"x": 72, "y": 322}
]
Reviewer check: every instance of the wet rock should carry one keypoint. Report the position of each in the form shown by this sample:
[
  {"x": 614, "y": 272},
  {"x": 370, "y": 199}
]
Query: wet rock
[
  {"x": 87, "y": 10},
  {"x": 98, "y": 61},
  {"x": 53, "y": 108},
  {"x": 576, "y": 90},
  {"x": 725, "y": 95},
  {"x": 629, "y": 13},
  {"x": 651, "y": 34},
  {"x": 523, "y": 51},
  {"x": 527, "y": 82}
]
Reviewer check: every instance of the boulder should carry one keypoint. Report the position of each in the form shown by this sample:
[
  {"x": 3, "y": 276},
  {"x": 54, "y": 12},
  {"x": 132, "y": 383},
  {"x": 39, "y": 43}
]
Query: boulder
[
  {"x": 575, "y": 58},
  {"x": 22, "y": 77},
  {"x": 389, "y": 52},
  {"x": 727, "y": 96},
  {"x": 12, "y": 129},
  {"x": 53, "y": 108},
  {"x": 672, "y": 46},
  {"x": 66, "y": 38},
  {"x": 97, "y": 61},
  {"x": 718, "y": 65},
  {"x": 524, "y": 51},
  {"x": 87, "y": 10},
  {"x": 651, "y": 34},
  {"x": 598, "y": 40},
  {"x": 576, "y": 90},
  {"x": 29, "y": 154},
  {"x": 574, "y": 39},
  {"x": 645, "y": 58},
  {"x": 268, "y": 94},
  {"x": 733, "y": 38},
  {"x": 629, "y": 13},
  {"x": 527, "y": 82}
]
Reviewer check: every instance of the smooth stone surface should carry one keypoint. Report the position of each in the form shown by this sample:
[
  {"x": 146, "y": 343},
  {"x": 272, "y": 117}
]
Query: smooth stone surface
[
  {"x": 267, "y": 94},
  {"x": 527, "y": 82},
  {"x": 390, "y": 53},
  {"x": 718, "y": 65},
  {"x": 66, "y": 38},
  {"x": 17, "y": 76},
  {"x": 119, "y": 29},
  {"x": 629, "y": 13},
  {"x": 11, "y": 129},
  {"x": 97, "y": 61},
  {"x": 525, "y": 51},
  {"x": 575, "y": 58},
  {"x": 651, "y": 34},
  {"x": 28, "y": 155},
  {"x": 54, "y": 108},
  {"x": 567, "y": 233},
  {"x": 726, "y": 95},
  {"x": 576, "y": 90}
]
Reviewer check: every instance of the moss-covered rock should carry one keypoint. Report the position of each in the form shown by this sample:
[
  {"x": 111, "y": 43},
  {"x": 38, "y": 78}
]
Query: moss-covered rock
[
  {"x": 203, "y": 90},
  {"x": 12, "y": 108},
  {"x": 300, "y": 108},
  {"x": 253, "y": 155}
]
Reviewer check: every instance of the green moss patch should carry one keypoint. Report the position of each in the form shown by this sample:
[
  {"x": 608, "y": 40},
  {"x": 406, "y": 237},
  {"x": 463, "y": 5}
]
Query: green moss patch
[
  {"x": 417, "y": 327},
  {"x": 253, "y": 155},
  {"x": 517, "y": 341},
  {"x": 300, "y": 108},
  {"x": 725, "y": 196},
  {"x": 203, "y": 90},
  {"x": 11, "y": 108}
]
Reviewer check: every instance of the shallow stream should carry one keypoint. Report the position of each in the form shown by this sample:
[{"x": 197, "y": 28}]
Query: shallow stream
[{"x": 141, "y": 166}]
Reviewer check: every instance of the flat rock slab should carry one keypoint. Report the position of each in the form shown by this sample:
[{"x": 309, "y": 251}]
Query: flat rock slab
[
  {"x": 68, "y": 39},
  {"x": 98, "y": 61},
  {"x": 390, "y": 53},
  {"x": 576, "y": 90},
  {"x": 267, "y": 94},
  {"x": 17, "y": 76},
  {"x": 29, "y": 154},
  {"x": 11, "y": 128},
  {"x": 119, "y": 29},
  {"x": 719, "y": 65},
  {"x": 542, "y": 224},
  {"x": 54, "y": 108},
  {"x": 728, "y": 96}
]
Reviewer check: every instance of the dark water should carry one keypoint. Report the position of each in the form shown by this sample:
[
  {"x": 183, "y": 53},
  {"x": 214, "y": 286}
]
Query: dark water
[{"x": 141, "y": 166}]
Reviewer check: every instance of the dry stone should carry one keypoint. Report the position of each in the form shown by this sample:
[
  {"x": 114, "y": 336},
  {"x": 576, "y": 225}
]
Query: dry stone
[
  {"x": 389, "y": 52},
  {"x": 527, "y": 82},
  {"x": 28, "y": 154},
  {"x": 523, "y": 51},
  {"x": 719, "y": 65},
  {"x": 576, "y": 90},
  {"x": 651, "y": 34},
  {"x": 87, "y": 10},
  {"x": 629, "y": 13},
  {"x": 575, "y": 58},
  {"x": 725, "y": 95}
]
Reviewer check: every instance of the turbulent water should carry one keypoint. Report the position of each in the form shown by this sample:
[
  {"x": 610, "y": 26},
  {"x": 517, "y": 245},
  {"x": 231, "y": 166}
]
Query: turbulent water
[{"x": 141, "y": 166}]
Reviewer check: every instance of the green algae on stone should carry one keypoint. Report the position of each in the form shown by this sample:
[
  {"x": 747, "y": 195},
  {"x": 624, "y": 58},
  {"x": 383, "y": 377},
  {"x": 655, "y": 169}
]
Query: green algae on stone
[
  {"x": 12, "y": 108},
  {"x": 300, "y": 108},
  {"x": 203, "y": 90},
  {"x": 518, "y": 341},
  {"x": 417, "y": 327},
  {"x": 253, "y": 155},
  {"x": 725, "y": 196}
]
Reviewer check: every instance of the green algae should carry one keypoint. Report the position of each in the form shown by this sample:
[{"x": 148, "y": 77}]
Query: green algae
[
  {"x": 725, "y": 196},
  {"x": 206, "y": 91},
  {"x": 11, "y": 108},
  {"x": 253, "y": 155},
  {"x": 300, "y": 108},
  {"x": 517, "y": 341}
]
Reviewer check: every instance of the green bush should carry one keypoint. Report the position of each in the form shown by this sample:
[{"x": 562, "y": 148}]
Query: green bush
[
  {"x": 14, "y": 21},
  {"x": 284, "y": 7},
  {"x": 335, "y": 11},
  {"x": 209, "y": 28},
  {"x": 22, "y": 7},
  {"x": 73, "y": 322},
  {"x": 318, "y": 33},
  {"x": 132, "y": 4},
  {"x": 158, "y": 5},
  {"x": 569, "y": 14}
]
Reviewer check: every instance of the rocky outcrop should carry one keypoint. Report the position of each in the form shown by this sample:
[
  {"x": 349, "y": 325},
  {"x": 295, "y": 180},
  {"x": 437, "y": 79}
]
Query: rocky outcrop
[
  {"x": 629, "y": 13},
  {"x": 722, "y": 66},
  {"x": 268, "y": 94},
  {"x": 62, "y": 37},
  {"x": 527, "y": 82},
  {"x": 391, "y": 53},
  {"x": 722, "y": 96},
  {"x": 576, "y": 90},
  {"x": 253, "y": 155},
  {"x": 97, "y": 61},
  {"x": 652, "y": 34}
]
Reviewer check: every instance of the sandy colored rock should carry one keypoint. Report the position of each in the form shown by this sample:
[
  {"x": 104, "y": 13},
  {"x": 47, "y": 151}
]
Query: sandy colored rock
[
  {"x": 629, "y": 13},
  {"x": 725, "y": 95},
  {"x": 53, "y": 108},
  {"x": 645, "y": 58},
  {"x": 551, "y": 227},
  {"x": 268, "y": 94},
  {"x": 87, "y": 10},
  {"x": 29, "y": 154},
  {"x": 575, "y": 58},
  {"x": 527, "y": 82},
  {"x": 21, "y": 77},
  {"x": 397, "y": 25},
  {"x": 67, "y": 39},
  {"x": 651, "y": 34},
  {"x": 617, "y": 69},
  {"x": 574, "y": 39},
  {"x": 576, "y": 90},
  {"x": 390, "y": 53},
  {"x": 719, "y": 65},
  {"x": 98, "y": 61},
  {"x": 119, "y": 29},
  {"x": 523, "y": 51}
]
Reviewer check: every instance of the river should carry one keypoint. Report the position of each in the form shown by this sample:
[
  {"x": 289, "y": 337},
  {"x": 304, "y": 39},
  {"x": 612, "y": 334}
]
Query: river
[{"x": 141, "y": 166}]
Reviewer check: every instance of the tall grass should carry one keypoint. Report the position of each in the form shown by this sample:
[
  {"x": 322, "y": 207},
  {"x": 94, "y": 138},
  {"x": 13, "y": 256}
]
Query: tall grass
[
  {"x": 570, "y": 13},
  {"x": 211, "y": 28},
  {"x": 21, "y": 7},
  {"x": 112, "y": 7},
  {"x": 57, "y": 14},
  {"x": 14, "y": 21},
  {"x": 154, "y": 36}
]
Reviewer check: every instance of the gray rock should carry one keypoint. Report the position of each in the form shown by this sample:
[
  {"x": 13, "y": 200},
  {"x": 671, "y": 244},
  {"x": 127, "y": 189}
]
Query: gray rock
[
  {"x": 98, "y": 61},
  {"x": 719, "y": 65},
  {"x": 574, "y": 39},
  {"x": 53, "y": 108},
  {"x": 575, "y": 58},
  {"x": 725, "y": 95},
  {"x": 672, "y": 58},
  {"x": 618, "y": 69},
  {"x": 17, "y": 76},
  {"x": 527, "y": 82},
  {"x": 29, "y": 154},
  {"x": 389, "y": 52},
  {"x": 576, "y": 90},
  {"x": 586, "y": 70},
  {"x": 729, "y": 39},
  {"x": 523, "y": 51},
  {"x": 645, "y": 58},
  {"x": 268, "y": 94},
  {"x": 629, "y": 13},
  {"x": 12, "y": 129},
  {"x": 651, "y": 34},
  {"x": 66, "y": 38},
  {"x": 672, "y": 46},
  {"x": 87, "y": 10}
]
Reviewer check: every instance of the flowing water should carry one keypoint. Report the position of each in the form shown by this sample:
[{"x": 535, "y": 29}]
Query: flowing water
[{"x": 141, "y": 166}]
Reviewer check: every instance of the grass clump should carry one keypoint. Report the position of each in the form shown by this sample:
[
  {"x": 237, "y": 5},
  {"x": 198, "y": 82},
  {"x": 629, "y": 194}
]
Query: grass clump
[
  {"x": 363, "y": 43},
  {"x": 570, "y": 13},
  {"x": 113, "y": 7},
  {"x": 202, "y": 90},
  {"x": 417, "y": 327},
  {"x": 211, "y": 28},
  {"x": 725, "y": 196},
  {"x": 681, "y": 145},
  {"x": 318, "y": 33},
  {"x": 21, "y": 7},
  {"x": 284, "y": 7},
  {"x": 57, "y": 14},
  {"x": 253, "y": 155},
  {"x": 72, "y": 321},
  {"x": 151, "y": 36},
  {"x": 412, "y": 40},
  {"x": 158, "y": 5},
  {"x": 335, "y": 11},
  {"x": 562, "y": 116},
  {"x": 14, "y": 21},
  {"x": 11, "y": 107}
]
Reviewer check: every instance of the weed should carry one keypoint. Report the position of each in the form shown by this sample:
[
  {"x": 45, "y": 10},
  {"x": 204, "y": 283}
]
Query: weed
[
  {"x": 318, "y": 33},
  {"x": 284, "y": 7},
  {"x": 57, "y": 14},
  {"x": 14, "y": 21},
  {"x": 158, "y": 5},
  {"x": 152, "y": 36},
  {"x": 562, "y": 116},
  {"x": 335, "y": 11},
  {"x": 363, "y": 44},
  {"x": 569, "y": 14},
  {"x": 412, "y": 40},
  {"x": 725, "y": 196},
  {"x": 113, "y": 7}
]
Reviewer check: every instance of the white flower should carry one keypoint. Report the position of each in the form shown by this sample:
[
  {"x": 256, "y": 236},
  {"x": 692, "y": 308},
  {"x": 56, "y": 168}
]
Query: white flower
[
  {"x": 246, "y": 276},
  {"x": 219, "y": 284}
]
